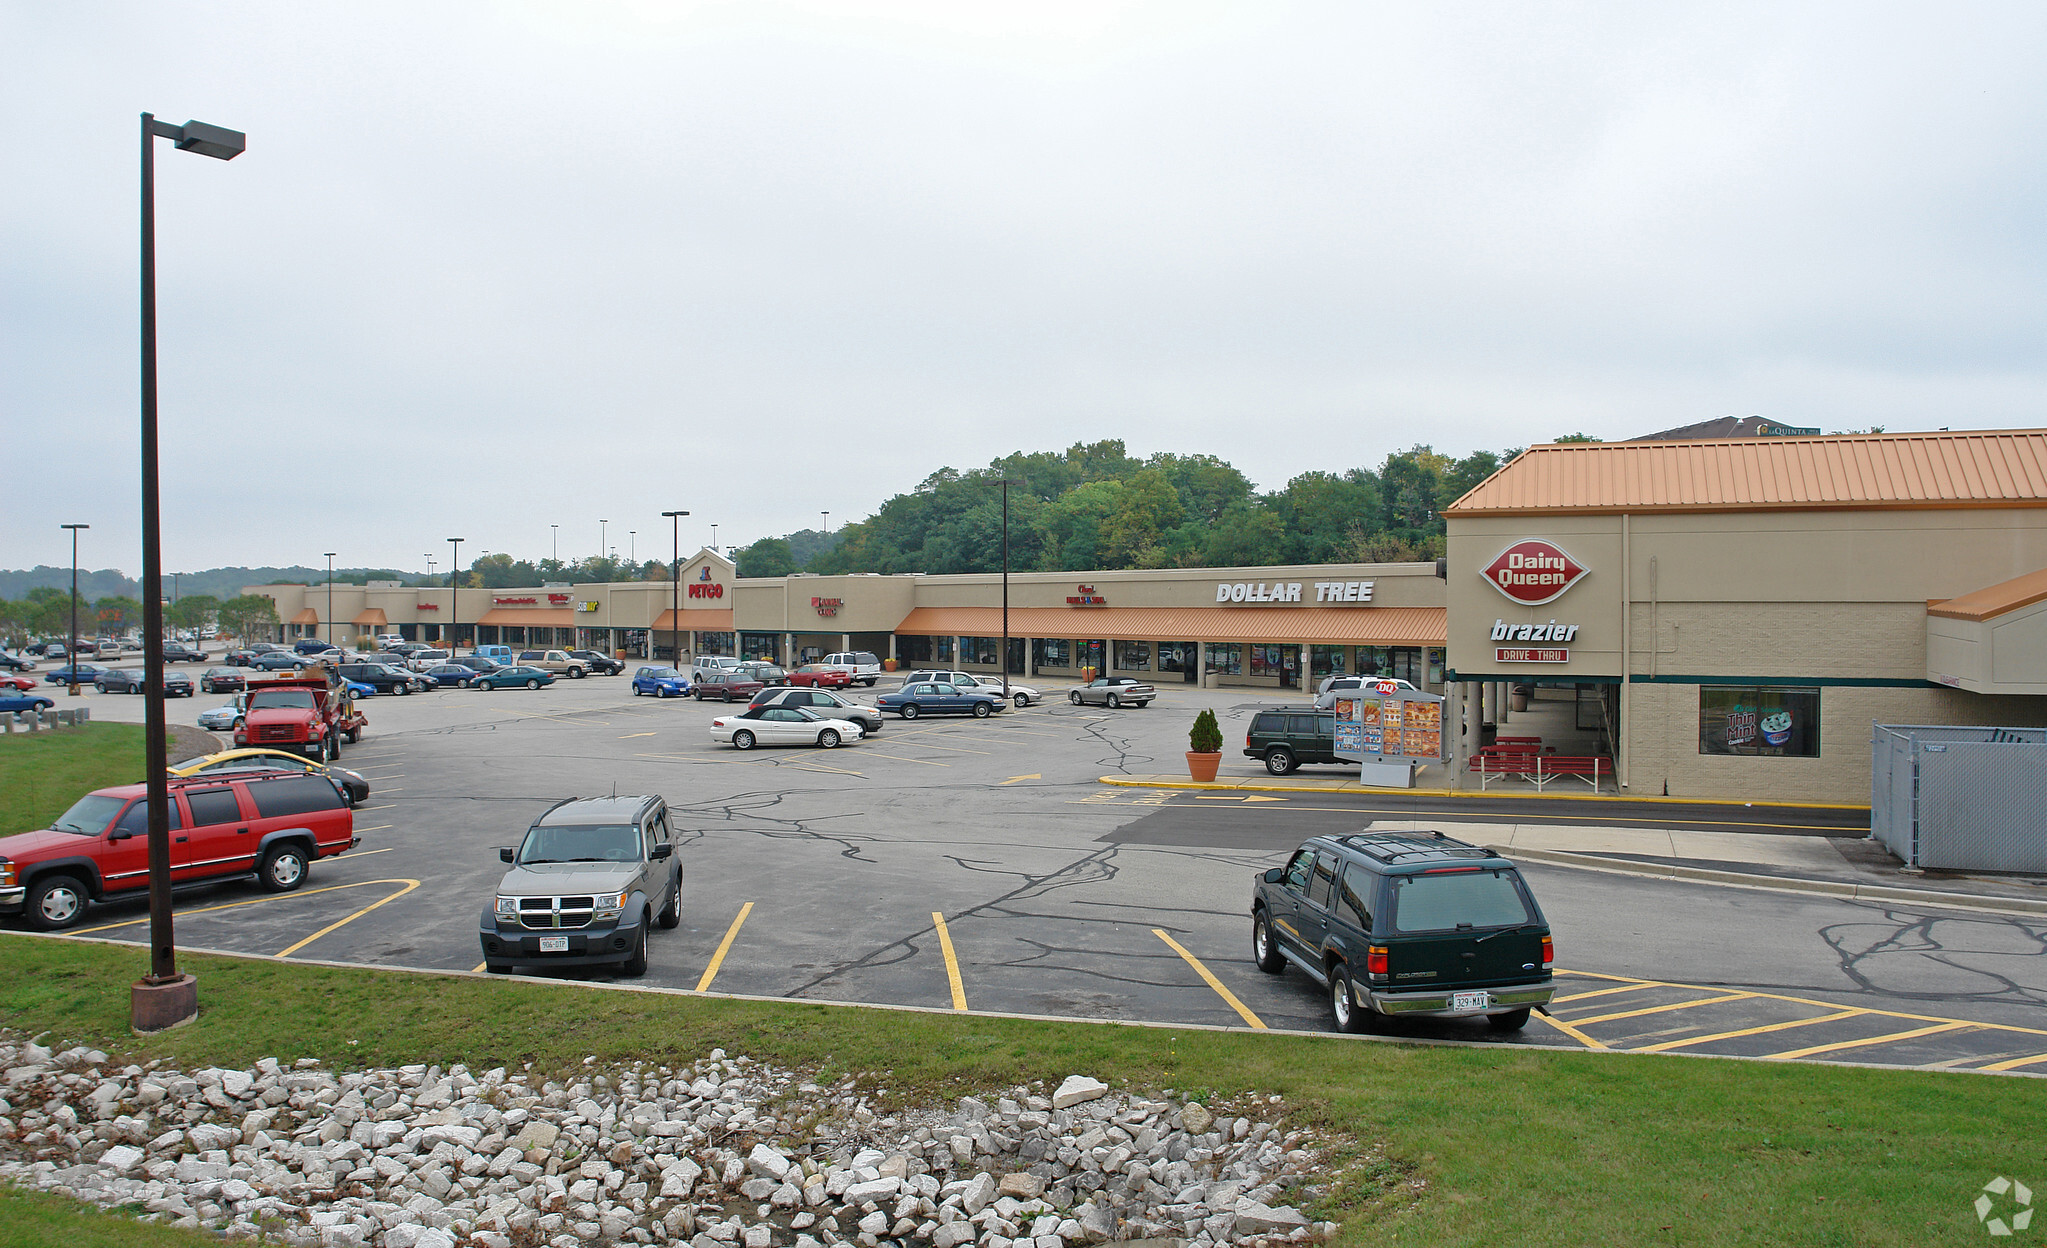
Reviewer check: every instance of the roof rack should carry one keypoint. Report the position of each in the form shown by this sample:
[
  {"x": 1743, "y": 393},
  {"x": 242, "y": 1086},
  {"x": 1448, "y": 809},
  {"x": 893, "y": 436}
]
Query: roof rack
[{"x": 1379, "y": 845}]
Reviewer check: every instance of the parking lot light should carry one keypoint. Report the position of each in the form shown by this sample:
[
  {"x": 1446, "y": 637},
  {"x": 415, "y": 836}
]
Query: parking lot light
[
  {"x": 675, "y": 590},
  {"x": 71, "y": 655}
]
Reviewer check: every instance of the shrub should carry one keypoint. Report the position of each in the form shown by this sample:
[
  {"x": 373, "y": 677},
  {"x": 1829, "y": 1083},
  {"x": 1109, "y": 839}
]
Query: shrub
[{"x": 1206, "y": 737}]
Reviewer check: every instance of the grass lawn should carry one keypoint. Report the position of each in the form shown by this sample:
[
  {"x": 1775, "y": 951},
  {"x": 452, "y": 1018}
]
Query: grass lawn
[
  {"x": 36, "y": 1220},
  {"x": 42, "y": 773},
  {"x": 1510, "y": 1146}
]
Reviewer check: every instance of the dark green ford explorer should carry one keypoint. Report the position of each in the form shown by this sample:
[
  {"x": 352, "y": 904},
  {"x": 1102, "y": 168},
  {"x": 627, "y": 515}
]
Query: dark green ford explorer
[{"x": 1405, "y": 925}]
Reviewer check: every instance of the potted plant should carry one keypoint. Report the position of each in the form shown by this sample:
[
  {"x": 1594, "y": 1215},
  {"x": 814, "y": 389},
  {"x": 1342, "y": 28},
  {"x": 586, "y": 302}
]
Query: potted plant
[{"x": 1204, "y": 747}]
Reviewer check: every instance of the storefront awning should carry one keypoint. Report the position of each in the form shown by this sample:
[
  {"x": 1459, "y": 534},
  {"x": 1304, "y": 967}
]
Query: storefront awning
[
  {"x": 529, "y": 617},
  {"x": 306, "y": 615},
  {"x": 719, "y": 621},
  {"x": 372, "y": 618},
  {"x": 1342, "y": 626},
  {"x": 1991, "y": 640}
]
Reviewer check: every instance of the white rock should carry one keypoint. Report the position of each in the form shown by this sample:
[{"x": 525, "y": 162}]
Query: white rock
[
  {"x": 876, "y": 1190},
  {"x": 875, "y": 1223},
  {"x": 1254, "y": 1218},
  {"x": 1076, "y": 1089},
  {"x": 980, "y": 1190},
  {"x": 953, "y": 1234},
  {"x": 433, "y": 1237},
  {"x": 768, "y": 1163},
  {"x": 236, "y": 1082}
]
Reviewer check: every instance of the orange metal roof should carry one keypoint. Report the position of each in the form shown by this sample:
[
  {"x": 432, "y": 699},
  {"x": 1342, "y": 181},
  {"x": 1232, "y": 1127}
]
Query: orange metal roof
[
  {"x": 1373, "y": 626},
  {"x": 1994, "y": 600},
  {"x": 306, "y": 615},
  {"x": 718, "y": 621},
  {"x": 374, "y": 616},
  {"x": 530, "y": 617},
  {"x": 1980, "y": 468}
]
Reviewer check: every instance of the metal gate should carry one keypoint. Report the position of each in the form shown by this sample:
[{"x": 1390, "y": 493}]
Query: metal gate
[{"x": 1961, "y": 798}]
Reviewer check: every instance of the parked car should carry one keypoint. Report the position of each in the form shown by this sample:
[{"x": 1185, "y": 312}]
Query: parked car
[
  {"x": 825, "y": 703},
  {"x": 311, "y": 645},
  {"x": 15, "y": 681},
  {"x": 240, "y": 656},
  {"x": 783, "y": 725},
  {"x": 859, "y": 664},
  {"x": 477, "y": 663},
  {"x": 382, "y": 677},
  {"x": 357, "y": 689},
  {"x": 711, "y": 665},
  {"x": 15, "y": 701},
  {"x": 1405, "y": 925},
  {"x": 1112, "y": 692},
  {"x": 727, "y": 685},
  {"x": 932, "y": 698},
  {"x": 1333, "y": 687},
  {"x": 556, "y": 661},
  {"x": 766, "y": 673},
  {"x": 445, "y": 674},
  {"x": 222, "y": 680},
  {"x": 221, "y": 718},
  {"x": 390, "y": 641},
  {"x": 127, "y": 680},
  {"x": 598, "y": 663},
  {"x": 660, "y": 682},
  {"x": 1287, "y": 738},
  {"x": 503, "y": 656},
  {"x": 179, "y": 652},
  {"x": 512, "y": 677},
  {"x": 75, "y": 674},
  {"x": 1019, "y": 696},
  {"x": 16, "y": 662},
  {"x": 425, "y": 657},
  {"x": 820, "y": 676},
  {"x": 269, "y": 825},
  {"x": 282, "y": 661},
  {"x": 588, "y": 880},
  {"x": 351, "y": 783}
]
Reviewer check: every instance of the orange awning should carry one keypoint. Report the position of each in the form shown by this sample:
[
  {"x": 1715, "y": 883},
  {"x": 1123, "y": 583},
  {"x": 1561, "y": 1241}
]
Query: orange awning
[
  {"x": 1364, "y": 626},
  {"x": 1996, "y": 600},
  {"x": 717, "y": 621},
  {"x": 306, "y": 615},
  {"x": 372, "y": 618},
  {"x": 530, "y": 617}
]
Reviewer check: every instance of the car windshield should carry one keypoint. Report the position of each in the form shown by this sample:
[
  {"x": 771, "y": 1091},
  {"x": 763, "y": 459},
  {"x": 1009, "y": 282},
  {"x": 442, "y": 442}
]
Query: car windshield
[
  {"x": 660, "y": 673},
  {"x": 89, "y": 815},
  {"x": 581, "y": 843},
  {"x": 1446, "y": 902},
  {"x": 281, "y": 699}
]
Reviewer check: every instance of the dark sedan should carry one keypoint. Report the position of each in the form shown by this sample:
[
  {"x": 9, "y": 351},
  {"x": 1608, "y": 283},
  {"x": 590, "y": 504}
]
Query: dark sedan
[
  {"x": 511, "y": 678},
  {"x": 128, "y": 680},
  {"x": 15, "y": 663},
  {"x": 598, "y": 664},
  {"x": 223, "y": 680},
  {"x": 477, "y": 663},
  {"x": 445, "y": 674},
  {"x": 281, "y": 661},
  {"x": 728, "y": 685},
  {"x": 10, "y": 702},
  {"x": 179, "y": 652},
  {"x": 937, "y": 699},
  {"x": 75, "y": 674}
]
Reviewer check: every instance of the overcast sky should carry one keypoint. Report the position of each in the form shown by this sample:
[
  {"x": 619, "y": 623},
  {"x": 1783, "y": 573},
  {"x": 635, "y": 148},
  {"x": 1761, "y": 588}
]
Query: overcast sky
[{"x": 491, "y": 267}]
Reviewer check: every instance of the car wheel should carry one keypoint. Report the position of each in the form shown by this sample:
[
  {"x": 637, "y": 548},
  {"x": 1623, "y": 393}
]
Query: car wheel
[
  {"x": 282, "y": 869},
  {"x": 828, "y": 740},
  {"x": 334, "y": 747},
  {"x": 1114, "y": 701},
  {"x": 1074, "y": 697},
  {"x": 742, "y": 740},
  {"x": 869, "y": 682},
  {"x": 354, "y": 735},
  {"x": 55, "y": 901},
  {"x": 727, "y": 699},
  {"x": 533, "y": 684},
  {"x": 1021, "y": 701},
  {"x": 206, "y": 686},
  {"x": 1344, "y": 1007},
  {"x": 698, "y": 694},
  {"x": 462, "y": 684},
  {"x": 982, "y": 710},
  {"x": 99, "y": 686},
  {"x": 671, "y": 914},
  {"x": 909, "y": 710},
  {"x": 575, "y": 673},
  {"x": 636, "y": 965},
  {"x": 1279, "y": 761},
  {"x": 1264, "y": 952},
  {"x": 1512, "y": 1020}
]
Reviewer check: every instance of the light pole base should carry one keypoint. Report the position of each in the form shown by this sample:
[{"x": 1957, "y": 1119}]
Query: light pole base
[{"x": 160, "y": 1007}]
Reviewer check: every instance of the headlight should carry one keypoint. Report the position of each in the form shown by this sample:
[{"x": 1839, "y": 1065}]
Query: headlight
[
  {"x": 609, "y": 906},
  {"x": 508, "y": 905}
]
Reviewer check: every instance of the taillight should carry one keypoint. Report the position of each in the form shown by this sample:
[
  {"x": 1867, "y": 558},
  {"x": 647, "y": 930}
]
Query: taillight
[
  {"x": 1375, "y": 960},
  {"x": 1549, "y": 951}
]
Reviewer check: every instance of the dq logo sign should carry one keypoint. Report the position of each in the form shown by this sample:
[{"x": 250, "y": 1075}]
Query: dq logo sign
[{"x": 1533, "y": 572}]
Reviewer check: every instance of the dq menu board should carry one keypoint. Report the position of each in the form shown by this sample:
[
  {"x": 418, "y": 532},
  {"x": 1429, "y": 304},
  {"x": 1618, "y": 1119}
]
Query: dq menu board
[{"x": 1385, "y": 721}]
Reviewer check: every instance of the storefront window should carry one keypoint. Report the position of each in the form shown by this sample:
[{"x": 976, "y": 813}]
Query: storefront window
[
  {"x": 1225, "y": 659},
  {"x": 1272, "y": 662},
  {"x": 1133, "y": 656},
  {"x": 1052, "y": 652},
  {"x": 1759, "y": 720},
  {"x": 914, "y": 650},
  {"x": 1328, "y": 660},
  {"x": 766, "y": 646},
  {"x": 982, "y": 650},
  {"x": 1176, "y": 656},
  {"x": 714, "y": 643},
  {"x": 1435, "y": 668},
  {"x": 1405, "y": 663}
]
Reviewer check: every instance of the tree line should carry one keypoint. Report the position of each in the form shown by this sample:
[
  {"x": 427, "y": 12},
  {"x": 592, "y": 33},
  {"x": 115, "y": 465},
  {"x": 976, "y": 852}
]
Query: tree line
[
  {"x": 1094, "y": 507},
  {"x": 45, "y": 612}
]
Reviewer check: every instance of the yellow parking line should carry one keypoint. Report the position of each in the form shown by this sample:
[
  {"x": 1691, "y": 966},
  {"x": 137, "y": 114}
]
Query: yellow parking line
[
  {"x": 1661, "y": 1009},
  {"x": 409, "y": 886},
  {"x": 2016, "y": 1062},
  {"x": 1823, "y": 1005},
  {"x": 1895, "y": 1036},
  {"x": 899, "y": 758},
  {"x": 379, "y": 828},
  {"x": 1600, "y": 992},
  {"x": 718, "y": 958},
  {"x": 952, "y": 964},
  {"x": 629, "y": 736},
  {"x": 229, "y": 905},
  {"x": 1243, "y": 1012},
  {"x": 386, "y": 806},
  {"x": 1570, "y": 1031},
  {"x": 479, "y": 968},
  {"x": 933, "y": 745},
  {"x": 1668, "y": 1045}
]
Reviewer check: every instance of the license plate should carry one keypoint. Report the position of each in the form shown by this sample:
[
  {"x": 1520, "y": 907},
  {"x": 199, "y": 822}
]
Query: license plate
[
  {"x": 560, "y": 944},
  {"x": 1458, "y": 1000}
]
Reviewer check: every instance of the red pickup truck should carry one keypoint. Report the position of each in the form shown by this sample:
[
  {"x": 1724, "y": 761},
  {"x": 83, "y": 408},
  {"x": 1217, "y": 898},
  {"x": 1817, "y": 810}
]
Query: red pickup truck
[{"x": 300, "y": 710}]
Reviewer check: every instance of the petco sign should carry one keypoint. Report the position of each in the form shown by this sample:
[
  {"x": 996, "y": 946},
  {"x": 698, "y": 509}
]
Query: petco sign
[
  {"x": 704, "y": 586},
  {"x": 1533, "y": 572}
]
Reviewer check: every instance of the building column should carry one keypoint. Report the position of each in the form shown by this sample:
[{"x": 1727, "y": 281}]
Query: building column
[
  {"x": 845, "y": 642},
  {"x": 1301, "y": 672},
  {"x": 892, "y": 648}
]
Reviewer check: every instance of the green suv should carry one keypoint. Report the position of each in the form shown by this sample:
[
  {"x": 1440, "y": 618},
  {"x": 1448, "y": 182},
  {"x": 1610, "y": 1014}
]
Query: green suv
[
  {"x": 1405, "y": 925},
  {"x": 1285, "y": 739}
]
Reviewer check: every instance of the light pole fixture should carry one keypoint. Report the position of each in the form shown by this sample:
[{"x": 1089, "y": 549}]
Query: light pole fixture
[
  {"x": 632, "y": 549},
  {"x": 827, "y": 522},
  {"x": 454, "y": 591},
  {"x": 557, "y": 542},
  {"x": 162, "y": 998},
  {"x": 71, "y": 654},
  {"x": 714, "y": 540},
  {"x": 330, "y": 597},
  {"x": 601, "y": 540},
  {"x": 675, "y": 590}
]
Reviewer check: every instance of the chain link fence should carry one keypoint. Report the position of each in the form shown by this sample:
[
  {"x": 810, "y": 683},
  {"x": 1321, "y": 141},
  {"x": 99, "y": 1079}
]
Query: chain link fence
[{"x": 1961, "y": 799}]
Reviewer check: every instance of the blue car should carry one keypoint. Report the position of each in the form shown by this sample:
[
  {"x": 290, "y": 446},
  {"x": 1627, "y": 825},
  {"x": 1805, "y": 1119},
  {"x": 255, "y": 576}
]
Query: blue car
[
  {"x": 75, "y": 674},
  {"x": 446, "y": 674},
  {"x": 357, "y": 689},
  {"x": 933, "y": 698},
  {"x": 661, "y": 682},
  {"x": 11, "y": 702}
]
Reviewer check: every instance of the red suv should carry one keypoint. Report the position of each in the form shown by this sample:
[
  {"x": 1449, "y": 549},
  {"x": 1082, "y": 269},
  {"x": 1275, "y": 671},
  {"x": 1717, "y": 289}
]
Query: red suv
[{"x": 271, "y": 826}]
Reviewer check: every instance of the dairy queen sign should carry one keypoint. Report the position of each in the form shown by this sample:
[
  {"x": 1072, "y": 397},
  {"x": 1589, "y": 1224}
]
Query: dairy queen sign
[{"x": 1533, "y": 572}]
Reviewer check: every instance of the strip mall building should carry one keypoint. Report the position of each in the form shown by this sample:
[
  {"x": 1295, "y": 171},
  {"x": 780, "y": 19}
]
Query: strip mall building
[{"x": 1733, "y": 614}]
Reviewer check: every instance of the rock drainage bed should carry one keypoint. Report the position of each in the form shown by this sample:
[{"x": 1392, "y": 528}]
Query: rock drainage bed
[{"x": 727, "y": 1153}]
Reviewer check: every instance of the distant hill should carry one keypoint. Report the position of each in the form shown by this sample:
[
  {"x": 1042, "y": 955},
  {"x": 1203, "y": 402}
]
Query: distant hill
[{"x": 220, "y": 582}]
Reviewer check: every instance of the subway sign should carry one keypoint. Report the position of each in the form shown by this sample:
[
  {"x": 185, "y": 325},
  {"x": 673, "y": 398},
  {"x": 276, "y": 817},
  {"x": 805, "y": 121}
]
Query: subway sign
[{"x": 1533, "y": 572}]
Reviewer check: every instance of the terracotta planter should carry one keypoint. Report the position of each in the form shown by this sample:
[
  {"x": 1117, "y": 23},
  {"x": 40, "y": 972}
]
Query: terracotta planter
[
  {"x": 888, "y": 665},
  {"x": 1201, "y": 767}
]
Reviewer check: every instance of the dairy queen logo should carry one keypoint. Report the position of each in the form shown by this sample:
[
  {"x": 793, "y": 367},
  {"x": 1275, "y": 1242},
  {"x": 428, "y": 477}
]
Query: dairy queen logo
[{"x": 1533, "y": 572}]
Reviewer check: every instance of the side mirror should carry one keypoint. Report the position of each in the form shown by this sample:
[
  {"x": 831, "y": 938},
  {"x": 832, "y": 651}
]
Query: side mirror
[
  {"x": 118, "y": 835},
  {"x": 1275, "y": 875},
  {"x": 506, "y": 853},
  {"x": 661, "y": 852}
]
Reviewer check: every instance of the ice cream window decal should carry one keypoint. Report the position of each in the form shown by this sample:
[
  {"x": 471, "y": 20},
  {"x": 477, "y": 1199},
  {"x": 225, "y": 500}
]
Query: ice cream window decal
[{"x": 1760, "y": 720}]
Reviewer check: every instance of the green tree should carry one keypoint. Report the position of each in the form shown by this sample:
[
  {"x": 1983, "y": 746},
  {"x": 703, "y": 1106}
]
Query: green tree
[
  {"x": 116, "y": 613},
  {"x": 243, "y": 614},
  {"x": 1133, "y": 533},
  {"x": 193, "y": 611},
  {"x": 1579, "y": 437},
  {"x": 770, "y": 556},
  {"x": 1245, "y": 536}
]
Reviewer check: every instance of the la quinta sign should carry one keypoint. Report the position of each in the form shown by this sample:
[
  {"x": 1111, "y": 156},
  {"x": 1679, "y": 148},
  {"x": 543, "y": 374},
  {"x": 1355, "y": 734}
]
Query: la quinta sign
[{"x": 1533, "y": 571}]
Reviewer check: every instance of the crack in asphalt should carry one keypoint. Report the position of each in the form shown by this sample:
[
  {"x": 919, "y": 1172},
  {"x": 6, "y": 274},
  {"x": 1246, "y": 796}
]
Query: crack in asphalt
[
  {"x": 1095, "y": 729},
  {"x": 1861, "y": 945}
]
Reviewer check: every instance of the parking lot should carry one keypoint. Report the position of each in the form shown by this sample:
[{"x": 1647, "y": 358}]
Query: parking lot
[{"x": 980, "y": 865}]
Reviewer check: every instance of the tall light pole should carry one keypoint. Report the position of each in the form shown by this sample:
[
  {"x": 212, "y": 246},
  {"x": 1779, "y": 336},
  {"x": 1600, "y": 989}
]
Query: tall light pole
[
  {"x": 714, "y": 540},
  {"x": 675, "y": 590},
  {"x": 1006, "y": 483},
  {"x": 330, "y": 597},
  {"x": 454, "y": 591},
  {"x": 632, "y": 549},
  {"x": 162, "y": 998},
  {"x": 601, "y": 546},
  {"x": 557, "y": 543},
  {"x": 71, "y": 654}
]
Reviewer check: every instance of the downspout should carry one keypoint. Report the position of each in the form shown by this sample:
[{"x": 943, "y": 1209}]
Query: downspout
[
  {"x": 1655, "y": 614},
  {"x": 1627, "y": 646}
]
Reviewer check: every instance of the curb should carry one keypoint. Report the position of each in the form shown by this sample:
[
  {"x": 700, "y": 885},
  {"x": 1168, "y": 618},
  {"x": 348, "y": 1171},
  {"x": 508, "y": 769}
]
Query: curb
[
  {"x": 1773, "y": 883},
  {"x": 1353, "y": 787}
]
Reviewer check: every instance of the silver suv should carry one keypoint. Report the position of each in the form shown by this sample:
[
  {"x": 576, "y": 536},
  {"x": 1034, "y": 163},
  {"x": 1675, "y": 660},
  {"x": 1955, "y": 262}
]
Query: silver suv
[
  {"x": 859, "y": 664},
  {"x": 591, "y": 877}
]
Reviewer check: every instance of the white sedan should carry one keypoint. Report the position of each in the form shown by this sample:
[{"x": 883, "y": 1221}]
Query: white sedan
[{"x": 782, "y": 725}]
